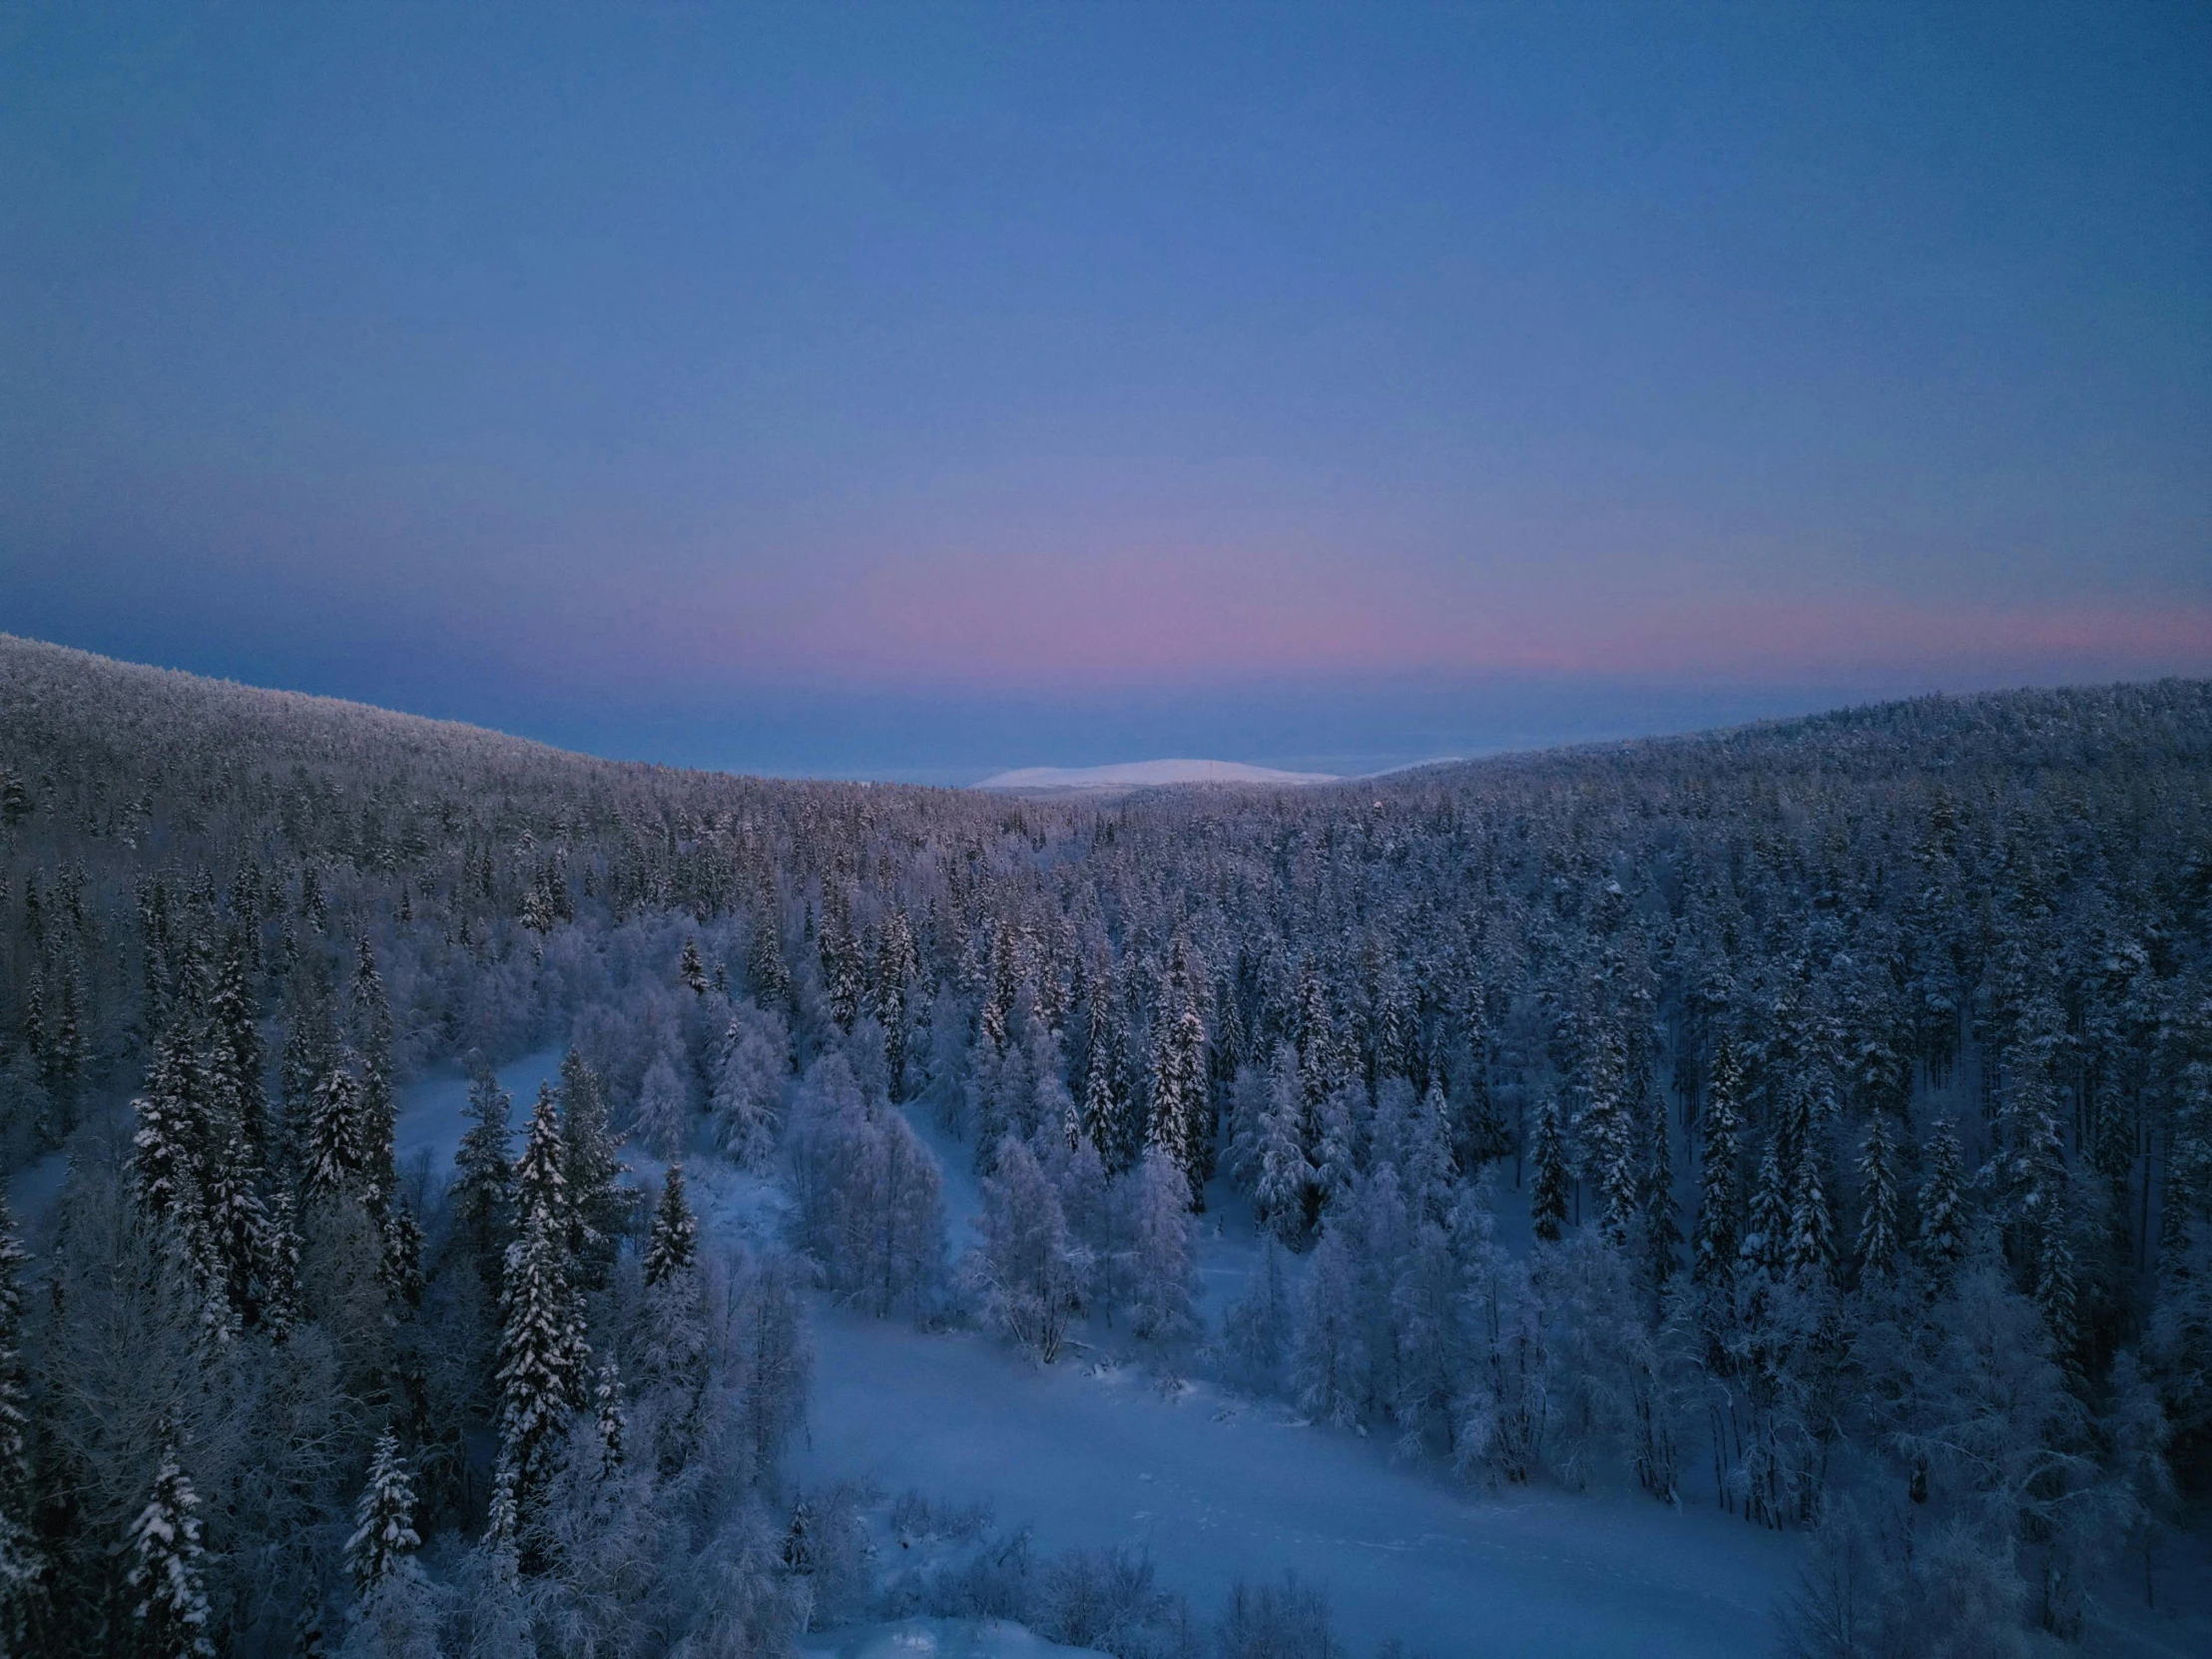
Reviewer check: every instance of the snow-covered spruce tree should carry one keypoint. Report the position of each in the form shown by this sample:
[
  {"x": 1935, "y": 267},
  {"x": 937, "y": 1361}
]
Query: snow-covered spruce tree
[
  {"x": 1335, "y": 1154},
  {"x": 1547, "y": 1190},
  {"x": 767, "y": 973},
  {"x": 674, "y": 1240},
  {"x": 247, "y": 1262},
  {"x": 171, "y": 1618},
  {"x": 1941, "y": 1240},
  {"x": 543, "y": 1359},
  {"x": 1162, "y": 1276},
  {"x": 1879, "y": 1239},
  {"x": 1179, "y": 1116},
  {"x": 597, "y": 1202},
  {"x": 1606, "y": 1129},
  {"x": 542, "y": 1173},
  {"x": 383, "y": 1520},
  {"x": 1766, "y": 1242},
  {"x": 377, "y": 1107},
  {"x": 399, "y": 1265},
  {"x": 1715, "y": 1234},
  {"x": 1812, "y": 1243},
  {"x": 483, "y": 1192},
  {"x": 1105, "y": 1103},
  {"x": 610, "y": 1425},
  {"x": 169, "y": 1145},
  {"x": 1661, "y": 1233},
  {"x": 234, "y": 1056},
  {"x": 1425, "y": 1164},
  {"x": 891, "y": 993},
  {"x": 1024, "y": 1272},
  {"x": 1287, "y": 1183},
  {"x": 336, "y": 1151}
]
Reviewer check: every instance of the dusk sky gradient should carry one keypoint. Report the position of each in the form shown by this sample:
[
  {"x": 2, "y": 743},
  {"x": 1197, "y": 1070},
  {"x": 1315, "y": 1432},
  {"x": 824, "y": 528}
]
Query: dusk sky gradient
[{"x": 920, "y": 390}]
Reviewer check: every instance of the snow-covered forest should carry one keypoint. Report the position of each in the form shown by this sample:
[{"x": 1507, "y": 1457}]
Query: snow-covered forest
[{"x": 1809, "y": 1124}]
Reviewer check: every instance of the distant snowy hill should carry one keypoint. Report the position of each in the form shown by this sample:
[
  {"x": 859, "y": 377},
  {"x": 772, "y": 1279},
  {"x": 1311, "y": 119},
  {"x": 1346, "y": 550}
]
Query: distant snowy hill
[{"x": 1132, "y": 774}]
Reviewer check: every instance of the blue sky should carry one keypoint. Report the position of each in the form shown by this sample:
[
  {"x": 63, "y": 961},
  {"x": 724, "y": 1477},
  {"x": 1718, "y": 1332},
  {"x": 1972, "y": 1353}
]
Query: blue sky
[{"x": 918, "y": 390}]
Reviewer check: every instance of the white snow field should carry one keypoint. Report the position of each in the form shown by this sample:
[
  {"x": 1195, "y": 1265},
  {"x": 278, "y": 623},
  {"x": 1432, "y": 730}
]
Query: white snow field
[
  {"x": 1215, "y": 1488},
  {"x": 1146, "y": 774}
]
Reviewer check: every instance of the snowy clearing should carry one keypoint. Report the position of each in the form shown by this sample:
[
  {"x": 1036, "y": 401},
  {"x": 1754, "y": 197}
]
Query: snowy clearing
[{"x": 1215, "y": 1488}]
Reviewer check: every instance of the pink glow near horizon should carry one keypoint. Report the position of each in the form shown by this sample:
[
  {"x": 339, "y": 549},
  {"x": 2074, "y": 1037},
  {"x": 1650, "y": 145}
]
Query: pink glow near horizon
[{"x": 1164, "y": 620}]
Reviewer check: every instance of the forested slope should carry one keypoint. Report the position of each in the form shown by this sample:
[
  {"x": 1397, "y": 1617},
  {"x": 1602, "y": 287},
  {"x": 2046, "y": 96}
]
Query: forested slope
[{"x": 1852, "y": 1077}]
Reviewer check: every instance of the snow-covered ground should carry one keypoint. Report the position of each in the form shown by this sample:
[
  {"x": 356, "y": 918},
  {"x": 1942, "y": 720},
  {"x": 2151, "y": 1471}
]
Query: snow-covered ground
[{"x": 1215, "y": 1488}]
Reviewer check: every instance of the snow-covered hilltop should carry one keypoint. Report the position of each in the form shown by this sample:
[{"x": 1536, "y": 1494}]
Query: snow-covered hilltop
[{"x": 1133, "y": 774}]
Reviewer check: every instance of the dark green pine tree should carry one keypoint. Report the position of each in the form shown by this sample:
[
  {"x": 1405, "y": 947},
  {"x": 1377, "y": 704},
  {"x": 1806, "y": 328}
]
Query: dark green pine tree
[
  {"x": 673, "y": 1242},
  {"x": 690, "y": 969}
]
